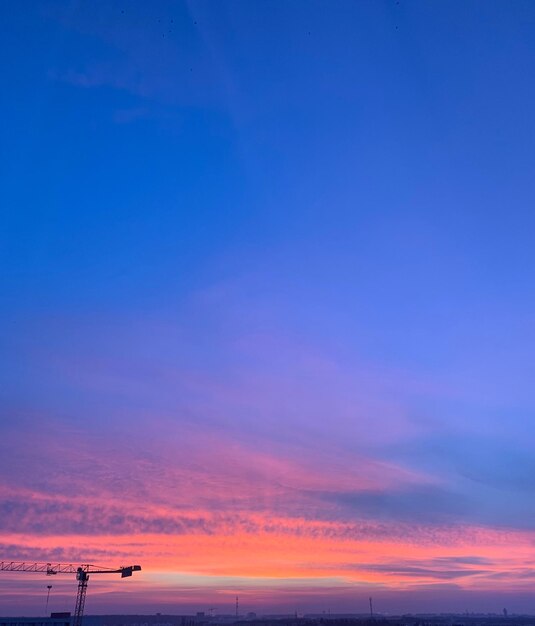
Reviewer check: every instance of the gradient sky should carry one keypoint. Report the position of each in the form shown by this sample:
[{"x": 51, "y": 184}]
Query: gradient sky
[{"x": 267, "y": 303}]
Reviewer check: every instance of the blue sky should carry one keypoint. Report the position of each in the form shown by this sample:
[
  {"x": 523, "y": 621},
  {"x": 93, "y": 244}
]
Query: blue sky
[{"x": 301, "y": 232}]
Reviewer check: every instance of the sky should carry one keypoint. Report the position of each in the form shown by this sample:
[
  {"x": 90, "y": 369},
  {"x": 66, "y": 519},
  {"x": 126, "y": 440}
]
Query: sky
[{"x": 267, "y": 304}]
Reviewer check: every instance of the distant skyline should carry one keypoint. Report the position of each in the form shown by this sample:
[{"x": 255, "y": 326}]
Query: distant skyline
[{"x": 267, "y": 303}]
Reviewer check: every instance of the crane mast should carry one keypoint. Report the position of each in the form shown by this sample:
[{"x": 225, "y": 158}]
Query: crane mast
[{"x": 82, "y": 576}]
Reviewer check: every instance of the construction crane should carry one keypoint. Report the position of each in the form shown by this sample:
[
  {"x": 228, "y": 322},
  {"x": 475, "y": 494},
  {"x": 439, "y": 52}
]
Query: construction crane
[{"x": 82, "y": 576}]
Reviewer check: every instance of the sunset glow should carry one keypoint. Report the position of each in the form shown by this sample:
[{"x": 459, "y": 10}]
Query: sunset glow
[{"x": 267, "y": 304}]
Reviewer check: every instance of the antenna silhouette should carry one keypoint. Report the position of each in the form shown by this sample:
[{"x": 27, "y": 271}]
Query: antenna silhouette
[
  {"x": 49, "y": 587},
  {"x": 371, "y": 608},
  {"x": 237, "y": 605}
]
